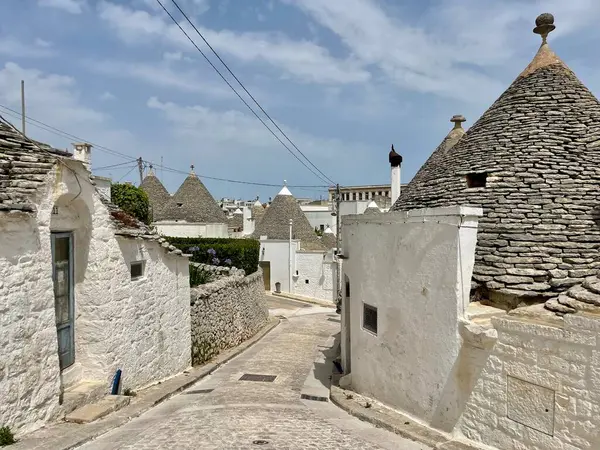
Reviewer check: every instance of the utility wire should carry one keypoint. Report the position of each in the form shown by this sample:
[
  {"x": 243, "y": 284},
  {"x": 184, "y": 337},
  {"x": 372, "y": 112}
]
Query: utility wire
[
  {"x": 128, "y": 172},
  {"x": 238, "y": 94},
  {"x": 246, "y": 90},
  {"x": 61, "y": 133},
  {"x": 50, "y": 128},
  {"x": 125, "y": 164}
]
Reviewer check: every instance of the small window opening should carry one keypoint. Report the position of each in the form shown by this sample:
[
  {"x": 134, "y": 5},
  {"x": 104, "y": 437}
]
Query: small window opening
[
  {"x": 347, "y": 288},
  {"x": 55, "y": 210},
  {"x": 180, "y": 204},
  {"x": 475, "y": 180},
  {"x": 306, "y": 281},
  {"x": 322, "y": 227},
  {"x": 370, "y": 318},
  {"x": 137, "y": 269},
  {"x": 360, "y": 195}
]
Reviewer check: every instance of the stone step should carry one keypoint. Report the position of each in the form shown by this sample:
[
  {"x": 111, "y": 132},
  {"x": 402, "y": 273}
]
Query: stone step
[
  {"x": 83, "y": 393},
  {"x": 94, "y": 411},
  {"x": 582, "y": 294}
]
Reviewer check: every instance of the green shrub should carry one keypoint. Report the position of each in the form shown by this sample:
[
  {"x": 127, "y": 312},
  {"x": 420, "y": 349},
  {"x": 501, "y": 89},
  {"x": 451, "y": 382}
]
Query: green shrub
[
  {"x": 131, "y": 200},
  {"x": 240, "y": 253},
  {"x": 6, "y": 437}
]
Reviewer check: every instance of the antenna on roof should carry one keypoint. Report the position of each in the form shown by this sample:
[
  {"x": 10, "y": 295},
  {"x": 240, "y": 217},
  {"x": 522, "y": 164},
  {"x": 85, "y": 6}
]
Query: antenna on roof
[{"x": 544, "y": 25}]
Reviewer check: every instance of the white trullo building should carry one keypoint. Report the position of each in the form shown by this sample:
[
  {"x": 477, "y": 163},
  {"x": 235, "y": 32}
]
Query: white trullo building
[
  {"x": 85, "y": 289},
  {"x": 296, "y": 260},
  {"x": 190, "y": 212},
  {"x": 474, "y": 305}
]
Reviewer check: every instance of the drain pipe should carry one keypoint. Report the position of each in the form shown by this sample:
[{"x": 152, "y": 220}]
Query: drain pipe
[
  {"x": 116, "y": 383},
  {"x": 290, "y": 260}
]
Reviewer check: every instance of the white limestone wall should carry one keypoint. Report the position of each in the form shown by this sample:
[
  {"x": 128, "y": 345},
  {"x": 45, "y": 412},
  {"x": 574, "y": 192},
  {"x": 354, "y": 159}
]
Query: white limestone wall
[
  {"x": 29, "y": 371},
  {"x": 314, "y": 275},
  {"x": 319, "y": 215},
  {"x": 277, "y": 253},
  {"x": 415, "y": 268},
  {"x": 186, "y": 229},
  {"x": 142, "y": 327},
  {"x": 539, "y": 386}
]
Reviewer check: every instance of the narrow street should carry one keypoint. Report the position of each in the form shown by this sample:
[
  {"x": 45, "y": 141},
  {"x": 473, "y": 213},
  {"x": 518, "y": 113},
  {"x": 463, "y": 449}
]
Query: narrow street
[{"x": 223, "y": 412}]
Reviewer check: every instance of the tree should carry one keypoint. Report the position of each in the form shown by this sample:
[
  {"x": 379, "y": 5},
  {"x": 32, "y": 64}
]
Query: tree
[{"x": 131, "y": 200}]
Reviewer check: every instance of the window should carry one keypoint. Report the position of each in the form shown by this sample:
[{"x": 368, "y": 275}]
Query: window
[
  {"x": 322, "y": 227},
  {"x": 137, "y": 269},
  {"x": 475, "y": 180},
  {"x": 55, "y": 210},
  {"x": 370, "y": 318},
  {"x": 306, "y": 281},
  {"x": 347, "y": 287},
  {"x": 354, "y": 196},
  {"x": 360, "y": 196},
  {"x": 180, "y": 204}
]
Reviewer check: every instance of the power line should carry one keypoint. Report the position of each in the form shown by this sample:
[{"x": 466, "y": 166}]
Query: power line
[
  {"x": 246, "y": 90},
  {"x": 238, "y": 94},
  {"x": 128, "y": 172},
  {"x": 59, "y": 132},
  {"x": 50, "y": 128},
  {"x": 125, "y": 164}
]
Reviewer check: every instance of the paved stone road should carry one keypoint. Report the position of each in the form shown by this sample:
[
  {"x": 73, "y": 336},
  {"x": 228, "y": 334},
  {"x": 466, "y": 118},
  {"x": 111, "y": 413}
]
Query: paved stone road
[{"x": 235, "y": 414}]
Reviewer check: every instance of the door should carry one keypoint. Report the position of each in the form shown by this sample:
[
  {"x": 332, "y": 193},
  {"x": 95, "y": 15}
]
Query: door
[
  {"x": 64, "y": 304},
  {"x": 266, "y": 268}
]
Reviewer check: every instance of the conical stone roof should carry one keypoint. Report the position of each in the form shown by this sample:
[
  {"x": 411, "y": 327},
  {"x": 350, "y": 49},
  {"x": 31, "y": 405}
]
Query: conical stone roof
[
  {"x": 329, "y": 239},
  {"x": 258, "y": 211},
  {"x": 372, "y": 208},
  {"x": 275, "y": 223},
  {"x": 537, "y": 152},
  {"x": 157, "y": 194},
  {"x": 193, "y": 203}
]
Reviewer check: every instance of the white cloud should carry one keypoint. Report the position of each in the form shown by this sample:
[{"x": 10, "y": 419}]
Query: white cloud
[
  {"x": 161, "y": 75},
  {"x": 107, "y": 96},
  {"x": 176, "y": 56},
  {"x": 302, "y": 60},
  {"x": 70, "y": 6},
  {"x": 43, "y": 43},
  {"x": 9, "y": 46}
]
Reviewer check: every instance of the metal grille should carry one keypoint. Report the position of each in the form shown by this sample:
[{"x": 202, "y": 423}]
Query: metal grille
[{"x": 257, "y": 377}]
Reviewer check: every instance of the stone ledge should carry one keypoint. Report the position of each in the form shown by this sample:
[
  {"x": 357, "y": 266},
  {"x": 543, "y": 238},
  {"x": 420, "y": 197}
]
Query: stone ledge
[
  {"x": 301, "y": 298},
  {"x": 396, "y": 422},
  {"x": 66, "y": 436}
]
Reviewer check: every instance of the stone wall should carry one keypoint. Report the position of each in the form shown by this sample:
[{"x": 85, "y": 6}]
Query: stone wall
[
  {"x": 315, "y": 275},
  {"x": 141, "y": 326},
  {"x": 539, "y": 388},
  {"x": 225, "y": 313}
]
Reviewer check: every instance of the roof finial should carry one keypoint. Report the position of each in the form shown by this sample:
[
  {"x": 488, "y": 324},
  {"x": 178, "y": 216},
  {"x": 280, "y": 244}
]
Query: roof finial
[
  {"x": 285, "y": 182},
  {"x": 458, "y": 119},
  {"x": 192, "y": 168},
  {"x": 544, "y": 25},
  {"x": 151, "y": 170}
]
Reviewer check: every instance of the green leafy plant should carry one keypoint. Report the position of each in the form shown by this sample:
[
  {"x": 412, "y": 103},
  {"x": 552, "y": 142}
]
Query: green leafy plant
[
  {"x": 199, "y": 276},
  {"x": 131, "y": 200},
  {"x": 6, "y": 437},
  {"x": 240, "y": 253}
]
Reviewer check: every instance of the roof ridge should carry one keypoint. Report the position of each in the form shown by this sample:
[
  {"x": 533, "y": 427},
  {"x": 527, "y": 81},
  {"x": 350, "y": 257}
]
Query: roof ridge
[{"x": 544, "y": 57}]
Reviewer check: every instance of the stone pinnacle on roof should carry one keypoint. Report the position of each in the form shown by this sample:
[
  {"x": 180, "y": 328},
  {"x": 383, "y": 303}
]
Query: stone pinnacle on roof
[
  {"x": 544, "y": 25},
  {"x": 284, "y": 190},
  {"x": 531, "y": 162},
  {"x": 458, "y": 119},
  {"x": 372, "y": 208}
]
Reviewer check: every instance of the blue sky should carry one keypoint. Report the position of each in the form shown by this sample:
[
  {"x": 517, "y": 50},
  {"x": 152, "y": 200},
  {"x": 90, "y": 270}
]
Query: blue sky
[{"x": 344, "y": 78}]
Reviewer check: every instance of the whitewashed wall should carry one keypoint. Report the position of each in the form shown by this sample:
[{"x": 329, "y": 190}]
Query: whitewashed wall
[
  {"x": 142, "y": 327},
  {"x": 319, "y": 215},
  {"x": 278, "y": 253},
  {"x": 415, "y": 268},
  {"x": 314, "y": 275},
  {"x": 185, "y": 229},
  {"x": 539, "y": 387}
]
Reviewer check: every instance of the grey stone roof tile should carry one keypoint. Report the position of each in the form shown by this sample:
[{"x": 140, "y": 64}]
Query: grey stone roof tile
[
  {"x": 539, "y": 146},
  {"x": 158, "y": 196}
]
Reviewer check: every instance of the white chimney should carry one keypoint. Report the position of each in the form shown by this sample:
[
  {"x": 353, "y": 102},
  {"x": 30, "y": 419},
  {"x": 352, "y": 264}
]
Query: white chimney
[
  {"x": 395, "y": 161},
  {"x": 83, "y": 153}
]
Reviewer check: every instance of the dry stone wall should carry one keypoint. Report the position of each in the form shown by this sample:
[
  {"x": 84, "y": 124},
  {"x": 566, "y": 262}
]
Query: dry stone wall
[{"x": 226, "y": 312}]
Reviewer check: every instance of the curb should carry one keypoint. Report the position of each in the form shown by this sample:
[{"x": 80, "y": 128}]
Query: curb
[
  {"x": 396, "y": 422},
  {"x": 74, "y": 436},
  {"x": 300, "y": 298}
]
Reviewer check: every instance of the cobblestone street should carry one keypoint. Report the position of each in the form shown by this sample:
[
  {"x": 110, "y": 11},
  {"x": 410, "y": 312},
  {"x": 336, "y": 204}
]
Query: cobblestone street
[{"x": 222, "y": 412}]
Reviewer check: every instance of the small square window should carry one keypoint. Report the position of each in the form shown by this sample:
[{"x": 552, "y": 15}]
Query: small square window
[
  {"x": 137, "y": 269},
  {"x": 476, "y": 180},
  {"x": 370, "y": 318},
  {"x": 306, "y": 281}
]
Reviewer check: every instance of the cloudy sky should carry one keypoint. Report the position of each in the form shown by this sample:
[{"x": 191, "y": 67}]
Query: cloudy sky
[{"x": 343, "y": 78}]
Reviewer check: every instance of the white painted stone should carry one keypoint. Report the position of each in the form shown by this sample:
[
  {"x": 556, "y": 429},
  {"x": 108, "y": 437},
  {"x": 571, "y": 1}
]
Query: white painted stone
[
  {"x": 187, "y": 229},
  {"x": 530, "y": 405},
  {"x": 141, "y": 326},
  {"x": 415, "y": 267},
  {"x": 320, "y": 273}
]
